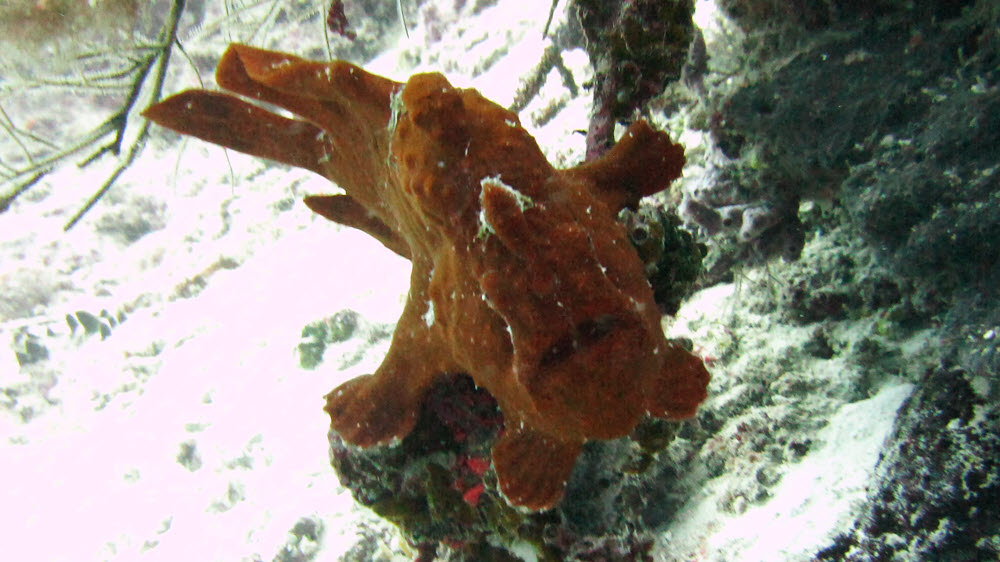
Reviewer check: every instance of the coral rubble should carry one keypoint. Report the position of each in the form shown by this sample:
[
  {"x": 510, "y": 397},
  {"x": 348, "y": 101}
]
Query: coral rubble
[{"x": 521, "y": 275}]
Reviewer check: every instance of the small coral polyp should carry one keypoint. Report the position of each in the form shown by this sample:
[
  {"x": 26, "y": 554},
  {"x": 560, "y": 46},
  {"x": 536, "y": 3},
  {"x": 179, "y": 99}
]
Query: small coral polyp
[{"x": 550, "y": 312}]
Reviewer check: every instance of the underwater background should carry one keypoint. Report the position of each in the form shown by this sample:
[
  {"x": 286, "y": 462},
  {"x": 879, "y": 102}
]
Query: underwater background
[{"x": 171, "y": 314}]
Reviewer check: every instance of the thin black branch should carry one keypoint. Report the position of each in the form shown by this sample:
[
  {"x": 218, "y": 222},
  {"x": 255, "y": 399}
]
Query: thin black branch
[
  {"x": 548, "y": 21},
  {"x": 6, "y": 200},
  {"x": 119, "y": 120},
  {"x": 10, "y": 129},
  {"x": 146, "y": 73},
  {"x": 122, "y": 166},
  {"x": 232, "y": 14},
  {"x": 158, "y": 65},
  {"x": 117, "y": 77}
]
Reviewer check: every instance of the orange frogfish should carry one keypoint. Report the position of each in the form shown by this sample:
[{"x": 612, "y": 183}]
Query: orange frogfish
[{"x": 521, "y": 275}]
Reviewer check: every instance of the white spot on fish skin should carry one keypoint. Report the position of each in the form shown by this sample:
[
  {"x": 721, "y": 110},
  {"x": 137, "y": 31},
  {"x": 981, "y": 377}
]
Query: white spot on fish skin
[
  {"x": 522, "y": 200},
  {"x": 484, "y": 225},
  {"x": 396, "y": 110},
  {"x": 429, "y": 315}
]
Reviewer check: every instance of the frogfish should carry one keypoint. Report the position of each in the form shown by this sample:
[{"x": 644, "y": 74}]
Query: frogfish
[{"x": 521, "y": 276}]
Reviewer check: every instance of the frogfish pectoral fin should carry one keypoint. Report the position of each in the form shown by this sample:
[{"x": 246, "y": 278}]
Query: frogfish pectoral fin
[
  {"x": 365, "y": 412},
  {"x": 345, "y": 210},
  {"x": 675, "y": 391},
  {"x": 532, "y": 467},
  {"x": 323, "y": 92},
  {"x": 233, "y": 123},
  {"x": 380, "y": 408},
  {"x": 642, "y": 163}
]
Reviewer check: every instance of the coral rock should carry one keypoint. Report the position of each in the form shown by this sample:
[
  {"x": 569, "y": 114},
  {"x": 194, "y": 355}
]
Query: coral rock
[{"x": 521, "y": 275}]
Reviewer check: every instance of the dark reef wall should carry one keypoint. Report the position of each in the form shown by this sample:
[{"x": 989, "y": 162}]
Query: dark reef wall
[
  {"x": 937, "y": 497},
  {"x": 888, "y": 114}
]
